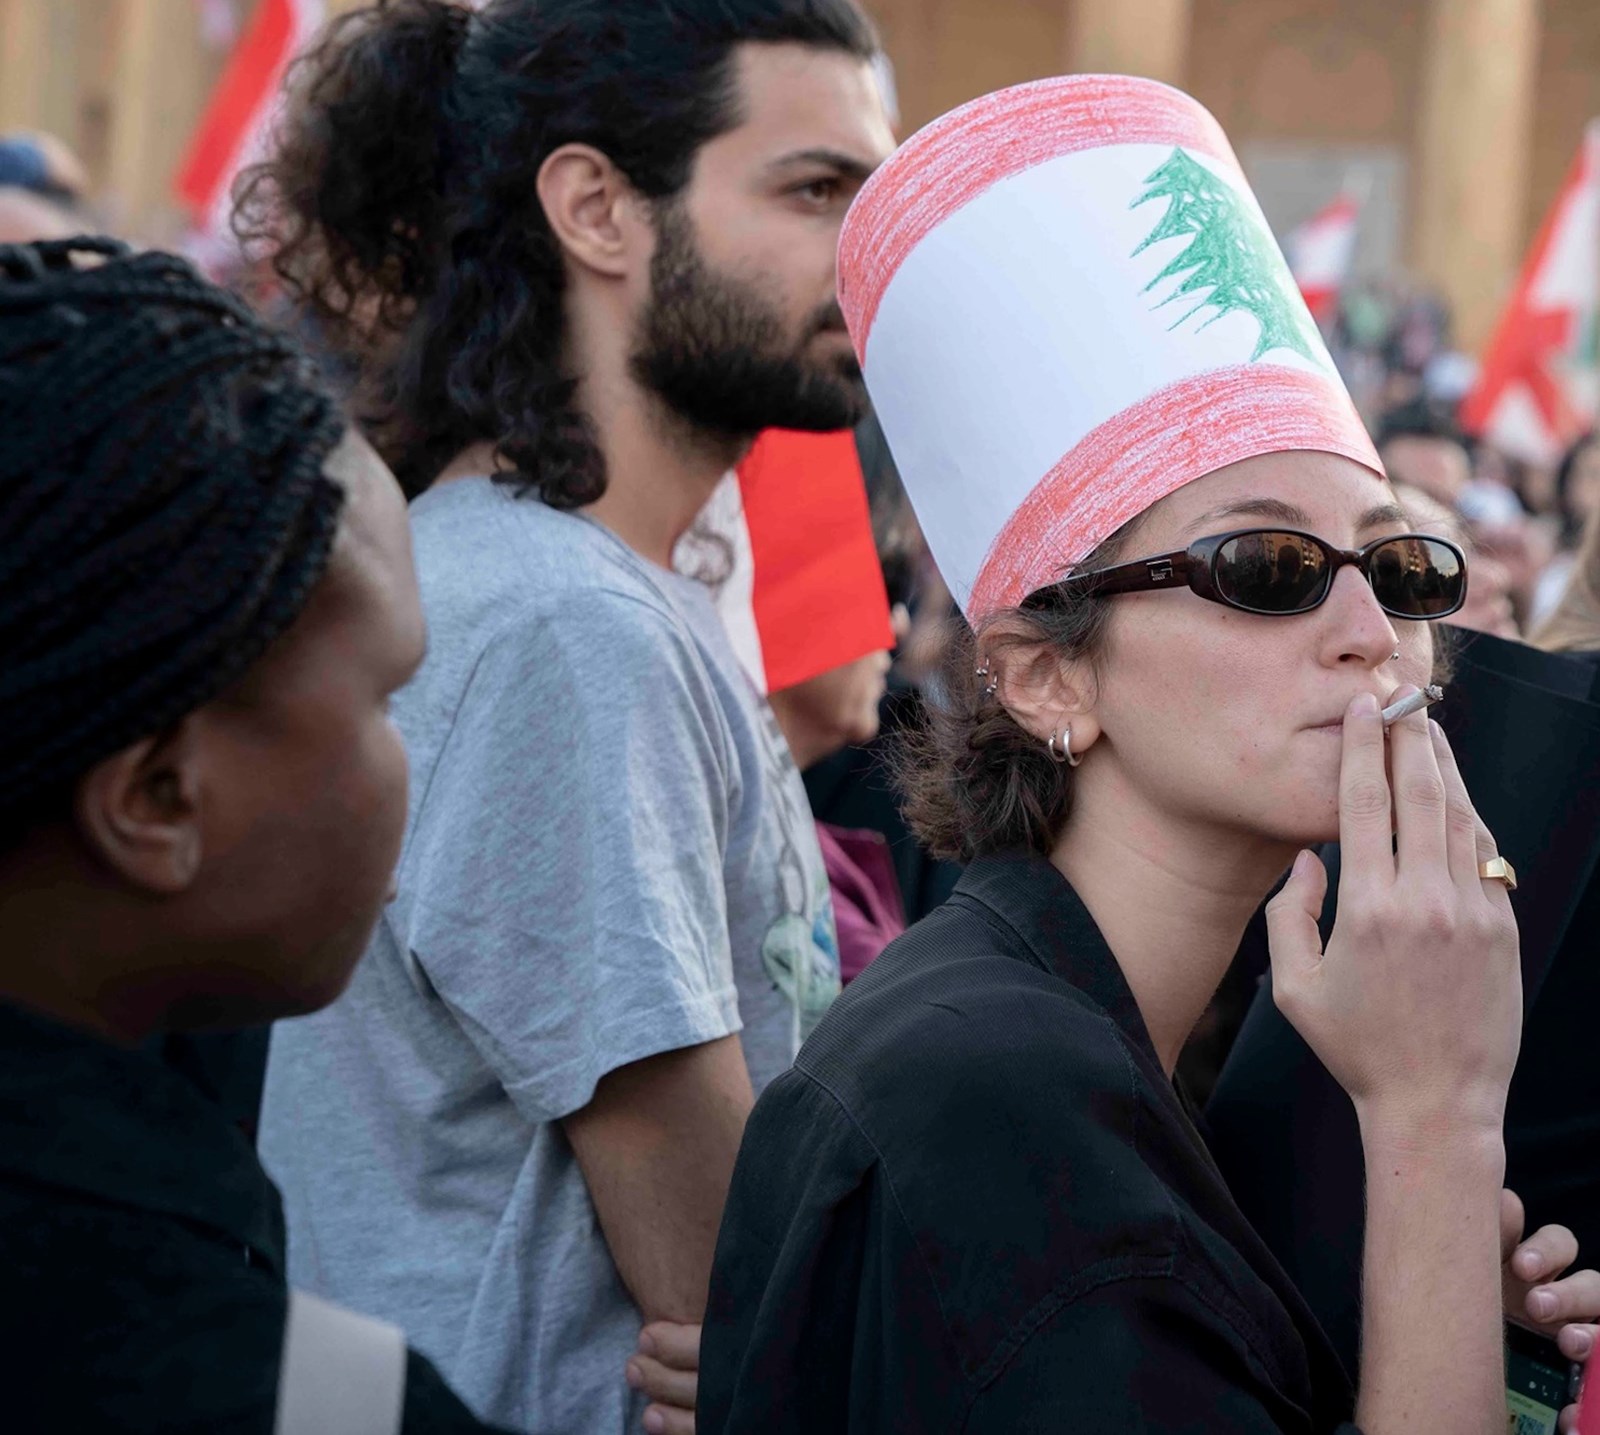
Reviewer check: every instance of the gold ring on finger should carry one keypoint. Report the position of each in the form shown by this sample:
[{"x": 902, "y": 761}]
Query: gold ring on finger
[{"x": 1497, "y": 869}]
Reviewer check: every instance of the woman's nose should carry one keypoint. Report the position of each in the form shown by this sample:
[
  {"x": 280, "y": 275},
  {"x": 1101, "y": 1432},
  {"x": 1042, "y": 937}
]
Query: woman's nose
[{"x": 1356, "y": 628}]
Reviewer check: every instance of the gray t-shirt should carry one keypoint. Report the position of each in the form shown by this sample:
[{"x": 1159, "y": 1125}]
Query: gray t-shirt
[{"x": 608, "y": 855}]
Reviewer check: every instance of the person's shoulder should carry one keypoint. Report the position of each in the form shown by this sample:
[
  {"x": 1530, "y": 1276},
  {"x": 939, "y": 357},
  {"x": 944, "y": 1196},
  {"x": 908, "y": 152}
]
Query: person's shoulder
[
  {"x": 163, "y": 1324},
  {"x": 964, "y": 1059},
  {"x": 547, "y": 597},
  {"x": 1011, "y": 1122},
  {"x": 485, "y": 553},
  {"x": 612, "y": 645},
  {"x": 946, "y": 1010}
]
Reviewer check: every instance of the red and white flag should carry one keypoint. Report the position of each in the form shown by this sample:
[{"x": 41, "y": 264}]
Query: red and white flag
[
  {"x": 234, "y": 128},
  {"x": 1320, "y": 253},
  {"x": 1539, "y": 388},
  {"x": 805, "y": 592}
]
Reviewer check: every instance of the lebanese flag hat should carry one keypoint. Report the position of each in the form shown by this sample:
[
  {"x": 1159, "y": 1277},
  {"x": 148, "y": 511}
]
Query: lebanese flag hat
[{"x": 1067, "y": 303}]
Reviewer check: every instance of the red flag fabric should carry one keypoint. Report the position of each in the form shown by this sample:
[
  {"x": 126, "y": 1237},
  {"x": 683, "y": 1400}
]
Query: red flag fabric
[
  {"x": 1320, "y": 252},
  {"x": 818, "y": 593},
  {"x": 798, "y": 583},
  {"x": 235, "y": 120},
  {"x": 1539, "y": 388}
]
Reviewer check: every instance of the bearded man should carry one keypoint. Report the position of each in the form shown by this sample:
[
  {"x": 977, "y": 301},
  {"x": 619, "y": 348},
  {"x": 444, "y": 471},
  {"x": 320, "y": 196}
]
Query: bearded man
[{"x": 577, "y": 253}]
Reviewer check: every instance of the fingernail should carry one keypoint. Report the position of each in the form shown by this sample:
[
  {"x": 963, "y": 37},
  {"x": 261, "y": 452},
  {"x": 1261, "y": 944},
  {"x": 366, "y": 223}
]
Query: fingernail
[
  {"x": 1364, "y": 706},
  {"x": 633, "y": 1375},
  {"x": 1581, "y": 1343},
  {"x": 1530, "y": 1264},
  {"x": 655, "y": 1422},
  {"x": 647, "y": 1343},
  {"x": 1435, "y": 729},
  {"x": 1541, "y": 1305}
]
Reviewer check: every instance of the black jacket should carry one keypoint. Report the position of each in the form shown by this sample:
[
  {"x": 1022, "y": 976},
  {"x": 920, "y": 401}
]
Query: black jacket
[
  {"x": 977, "y": 1204},
  {"x": 142, "y": 1247}
]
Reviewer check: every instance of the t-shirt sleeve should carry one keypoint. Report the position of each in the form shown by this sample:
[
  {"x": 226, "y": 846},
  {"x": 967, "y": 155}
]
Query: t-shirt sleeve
[
  {"x": 563, "y": 888},
  {"x": 1135, "y": 1355}
]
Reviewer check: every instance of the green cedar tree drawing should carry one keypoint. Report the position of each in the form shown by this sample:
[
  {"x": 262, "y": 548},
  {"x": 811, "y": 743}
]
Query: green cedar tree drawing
[{"x": 1230, "y": 254}]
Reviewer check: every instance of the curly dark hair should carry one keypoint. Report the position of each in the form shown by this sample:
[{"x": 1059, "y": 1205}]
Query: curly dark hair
[
  {"x": 164, "y": 515},
  {"x": 974, "y": 780},
  {"x": 401, "y": 206}
]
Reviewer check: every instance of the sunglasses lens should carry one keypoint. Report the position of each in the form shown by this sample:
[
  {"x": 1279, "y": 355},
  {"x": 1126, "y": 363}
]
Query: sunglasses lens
[
  {"x": 1270, "y": 572},
  {"x": 1416, "y": 577}
]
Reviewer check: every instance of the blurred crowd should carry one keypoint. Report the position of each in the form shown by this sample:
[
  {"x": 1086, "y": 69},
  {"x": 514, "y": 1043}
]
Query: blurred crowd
[{"x": 1522, "y": 521}]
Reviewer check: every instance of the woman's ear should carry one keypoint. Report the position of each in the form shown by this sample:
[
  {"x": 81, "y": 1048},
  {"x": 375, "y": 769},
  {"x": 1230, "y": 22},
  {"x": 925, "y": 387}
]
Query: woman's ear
[
  {"x": 1042, "y": 691},
  {"x": 139, "y": 811}
]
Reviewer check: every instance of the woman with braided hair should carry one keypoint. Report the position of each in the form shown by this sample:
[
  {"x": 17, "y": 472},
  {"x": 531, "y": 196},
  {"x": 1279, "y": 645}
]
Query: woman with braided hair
[{"x": 206, "y": 599}]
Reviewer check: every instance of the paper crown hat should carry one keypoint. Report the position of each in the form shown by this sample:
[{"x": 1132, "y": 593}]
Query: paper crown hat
[{"x": 1067, "y": 303}]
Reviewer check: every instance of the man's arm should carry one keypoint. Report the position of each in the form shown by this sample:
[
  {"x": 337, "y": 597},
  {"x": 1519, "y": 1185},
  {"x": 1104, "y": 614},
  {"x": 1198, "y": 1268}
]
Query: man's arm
[{"x": 656, "y": 1146}]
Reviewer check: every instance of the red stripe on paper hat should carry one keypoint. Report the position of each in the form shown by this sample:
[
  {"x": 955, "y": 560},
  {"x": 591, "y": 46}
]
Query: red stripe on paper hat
[
  {"x": 1185, "y": 432},
  {"x": 951, "y": 161}
]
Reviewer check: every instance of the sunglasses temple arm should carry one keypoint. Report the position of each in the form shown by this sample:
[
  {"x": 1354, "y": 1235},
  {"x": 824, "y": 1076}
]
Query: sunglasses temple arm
[{"x": 1170, "y": 570}]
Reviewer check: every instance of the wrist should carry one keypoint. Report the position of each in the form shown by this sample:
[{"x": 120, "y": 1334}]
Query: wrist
[{"x": 1467, "y": 1131}]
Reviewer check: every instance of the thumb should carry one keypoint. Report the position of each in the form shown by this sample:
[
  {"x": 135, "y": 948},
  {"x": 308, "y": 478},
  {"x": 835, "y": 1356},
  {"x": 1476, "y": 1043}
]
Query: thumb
[{"x": 1292, "y": 934}]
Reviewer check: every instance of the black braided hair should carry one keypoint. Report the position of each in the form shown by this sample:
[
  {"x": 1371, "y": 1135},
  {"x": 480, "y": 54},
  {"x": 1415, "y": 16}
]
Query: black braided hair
[{"x": 163, "y": 510}]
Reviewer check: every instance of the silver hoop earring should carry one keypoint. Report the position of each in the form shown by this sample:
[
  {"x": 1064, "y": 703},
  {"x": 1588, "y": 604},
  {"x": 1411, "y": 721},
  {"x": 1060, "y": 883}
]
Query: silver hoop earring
[
  {"x": 994, "y": 682},
  {"x": 1065, "y": 756}
]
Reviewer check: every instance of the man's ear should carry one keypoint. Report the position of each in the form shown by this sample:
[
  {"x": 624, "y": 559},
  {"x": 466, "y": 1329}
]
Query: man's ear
[
  {"x": 1043, "y": 691},
  {"x": 139, "y": 810},
  {"x": 591, "y": 208}
]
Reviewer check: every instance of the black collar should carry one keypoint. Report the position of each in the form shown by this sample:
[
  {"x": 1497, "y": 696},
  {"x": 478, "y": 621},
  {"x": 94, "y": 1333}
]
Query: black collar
[
  {"x": 1025, "y": 895},
  {"x": 117, "y": 1125}
]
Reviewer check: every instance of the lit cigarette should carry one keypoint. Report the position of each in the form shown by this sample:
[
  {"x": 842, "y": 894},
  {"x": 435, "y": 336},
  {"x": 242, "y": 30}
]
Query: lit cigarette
[{"x": 1415, "y": 703}]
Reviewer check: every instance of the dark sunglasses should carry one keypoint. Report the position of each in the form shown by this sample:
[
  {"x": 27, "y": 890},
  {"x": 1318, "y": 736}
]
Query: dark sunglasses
[{"x": 1278, "y": 571}]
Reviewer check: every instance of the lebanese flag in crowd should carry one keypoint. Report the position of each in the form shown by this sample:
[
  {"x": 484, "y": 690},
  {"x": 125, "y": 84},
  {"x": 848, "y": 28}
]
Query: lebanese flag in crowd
[
  {"x": 1320, "y": 253},
  {"x": 1539, "y": 388},
  {"x": 806, "y": 592},
  {"x": 233, "y": 130}
]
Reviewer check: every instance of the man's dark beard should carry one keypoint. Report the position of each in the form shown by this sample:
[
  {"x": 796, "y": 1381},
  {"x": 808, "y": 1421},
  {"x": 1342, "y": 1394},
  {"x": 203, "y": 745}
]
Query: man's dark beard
[{"x": 715, "y": 352}]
